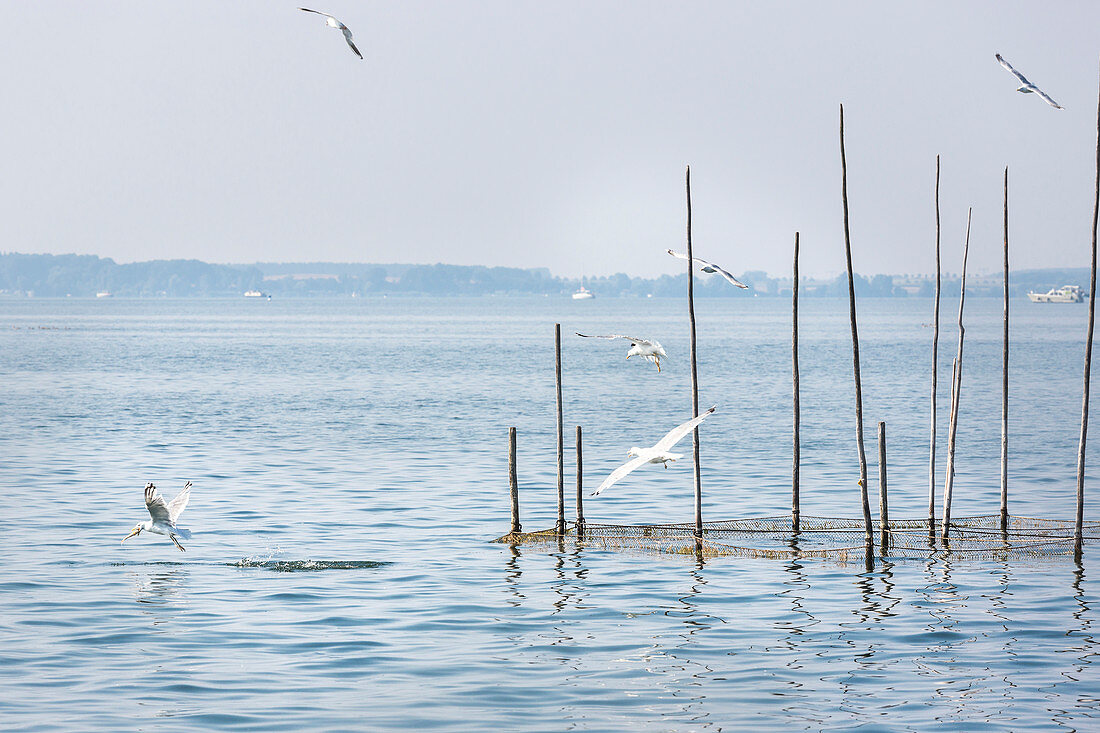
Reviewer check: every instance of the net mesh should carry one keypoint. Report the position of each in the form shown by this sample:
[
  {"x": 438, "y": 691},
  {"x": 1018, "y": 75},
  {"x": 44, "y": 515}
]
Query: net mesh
[{"x": 827, "y": 537}]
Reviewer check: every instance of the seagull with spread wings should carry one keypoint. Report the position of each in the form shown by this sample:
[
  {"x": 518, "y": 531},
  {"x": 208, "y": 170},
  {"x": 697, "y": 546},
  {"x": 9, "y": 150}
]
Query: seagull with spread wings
[
  {"x": 710, "y": 267},
  {"x": 657, "y": 454},
  {"x": 332, "y": 22},
  {"x": 164, "y": 515},
  {"x": 1026, "y": 87},
  {"x": 647, "y": 349}
]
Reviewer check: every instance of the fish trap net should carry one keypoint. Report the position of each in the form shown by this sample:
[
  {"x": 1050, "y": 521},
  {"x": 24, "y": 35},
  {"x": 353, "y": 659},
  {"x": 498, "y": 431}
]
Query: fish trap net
[{"x": 836, "y": 538}]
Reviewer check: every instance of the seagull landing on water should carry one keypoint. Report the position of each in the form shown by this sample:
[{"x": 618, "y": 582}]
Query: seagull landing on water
[
  {"x": 657, "y": 454},
  {"x": 331, "y": 22},
  {"x": 648, "y": 350},
  {"x": 164, "y": 516},
  {"x": 1026, "y": 86},
  {"x": 710, "y": 267}
]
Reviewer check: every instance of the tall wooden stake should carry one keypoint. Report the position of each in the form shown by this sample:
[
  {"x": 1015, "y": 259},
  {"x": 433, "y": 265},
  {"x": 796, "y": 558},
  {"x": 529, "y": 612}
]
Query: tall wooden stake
[
  {"x": 935, "y": 370},
  {"x": 883, "y": 505},
  {"x": 561, "y": 434},
  {"x": 1078, "y": 534},
  {"x": 1004, "y": 382},
  {"x": 580, "y": 486},
  {"x": 513, "y": 483},
  {"x": 794, "y": 367},
  {"x": 956, "y": 393},
  {"x": 855, "y": 341},
  {"x": 694, "y": 372}
]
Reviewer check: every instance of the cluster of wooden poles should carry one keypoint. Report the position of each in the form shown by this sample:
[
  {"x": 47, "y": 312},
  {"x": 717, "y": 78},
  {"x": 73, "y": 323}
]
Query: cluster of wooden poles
[
  {"x": 956, "y": 378},
  {"x": 513, "y": 481},
  {"x": 956, "y": 390}
]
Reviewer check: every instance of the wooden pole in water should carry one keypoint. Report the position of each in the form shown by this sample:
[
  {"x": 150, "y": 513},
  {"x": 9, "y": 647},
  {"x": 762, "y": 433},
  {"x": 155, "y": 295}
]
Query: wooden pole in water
[
  {"x": 855, "y": 341},
  {"x": 1078, "y": 534},
  {"x": 513, "y": 483},
  {"x": 1004, "y": 381},
  {"x": 561, "y": 433},
  {"x": 694, "y": 371},
  {"x": 956, "y": 393},
  {"x": 883, "y": 507},
  {"x": 935, "y": 370},
  {"x": 797, "y": 413},
  {"x": 580, "y": 486}
]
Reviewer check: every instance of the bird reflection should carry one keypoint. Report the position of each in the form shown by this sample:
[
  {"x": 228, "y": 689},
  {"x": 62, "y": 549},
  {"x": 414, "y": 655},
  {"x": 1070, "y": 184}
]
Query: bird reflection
[{"x": 159, "y": 587}]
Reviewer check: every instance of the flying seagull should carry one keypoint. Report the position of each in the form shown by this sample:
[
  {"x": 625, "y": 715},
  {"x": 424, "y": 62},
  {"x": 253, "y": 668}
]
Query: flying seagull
[
  {"x": 331, "y": 22},
  {"x": 657, "y": 454},
  {"x": 710, "y": 267},
  {"x": 163, "y": 515},
  {"x": 1026, "y": 86},
  {"x": 645, "y": 348}
]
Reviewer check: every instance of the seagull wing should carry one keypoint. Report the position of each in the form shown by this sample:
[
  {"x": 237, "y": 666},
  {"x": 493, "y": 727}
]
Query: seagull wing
[
  {"x": 1018, "y": 75},
  {"x": 591, "y": 336},
  {"x": 154, "y": 502},
  {"x": 677, "y": 434},
  {"x": 1047, "y": 99},
  {"x": 621, "y": 471},
  {"x": 318, "y": 13},
  {"x": 177, "y": 505},
  {"x": 710, "y": 267},
  {"x": 631, "y": 339},
  {"x": 347, "y": 37}
]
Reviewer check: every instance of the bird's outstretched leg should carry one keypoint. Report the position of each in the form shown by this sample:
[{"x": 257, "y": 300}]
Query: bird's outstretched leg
[
  {"x": 176, "y": 543},
  {"x": 658, "y": 366}
]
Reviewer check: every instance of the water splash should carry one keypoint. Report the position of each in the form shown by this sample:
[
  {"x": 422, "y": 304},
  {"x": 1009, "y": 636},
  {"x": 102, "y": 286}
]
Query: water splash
[{"x": 306, "y": 566}]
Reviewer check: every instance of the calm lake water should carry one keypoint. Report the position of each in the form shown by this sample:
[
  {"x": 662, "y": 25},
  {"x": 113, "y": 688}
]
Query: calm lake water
[{"x": 349, "y": 461}]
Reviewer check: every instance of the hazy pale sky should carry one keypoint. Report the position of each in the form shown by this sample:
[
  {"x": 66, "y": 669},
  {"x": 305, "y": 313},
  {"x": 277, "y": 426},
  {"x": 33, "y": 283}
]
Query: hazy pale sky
[{"x": 547, "y": 134}]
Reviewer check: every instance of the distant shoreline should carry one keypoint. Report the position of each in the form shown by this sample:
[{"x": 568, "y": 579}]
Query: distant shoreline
[{"x": 85, "y": 276}]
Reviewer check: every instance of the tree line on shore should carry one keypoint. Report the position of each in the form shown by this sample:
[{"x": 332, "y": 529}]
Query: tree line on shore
[{"x": 43, "y": 275}]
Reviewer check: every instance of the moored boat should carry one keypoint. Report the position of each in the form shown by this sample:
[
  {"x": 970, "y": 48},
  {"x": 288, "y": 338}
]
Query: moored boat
[
  {"x": 583, "y": 294},
  {"x": 1064, "y": 294}
]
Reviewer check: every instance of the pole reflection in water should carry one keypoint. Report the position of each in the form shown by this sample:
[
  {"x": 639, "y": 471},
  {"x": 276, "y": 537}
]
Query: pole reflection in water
[
  {"x": 675, "y": 659},
  {"x": 942, "y": 643},
  {"x": 1000, "y": 599},
  {"x": 795, "y": 637},
  {"x": 569, "y": 583},
  {"x": 513, "y": 575},
  {"x": 1080, "y": 677},
  {"x": 868, "y": 643}
]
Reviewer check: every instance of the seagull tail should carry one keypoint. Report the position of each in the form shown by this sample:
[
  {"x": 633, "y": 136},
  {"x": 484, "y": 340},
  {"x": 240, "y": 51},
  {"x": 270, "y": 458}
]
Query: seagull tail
[{"x": 184, "y": 533}]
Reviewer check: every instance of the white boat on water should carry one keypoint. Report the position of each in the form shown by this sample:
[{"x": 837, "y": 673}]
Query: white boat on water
[
  {"x": 104, "y": 294},
  {"x": 583, "y": 294},
  {"x": 1064, "y": 294},
  {"x": 256, "y": 294}
]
